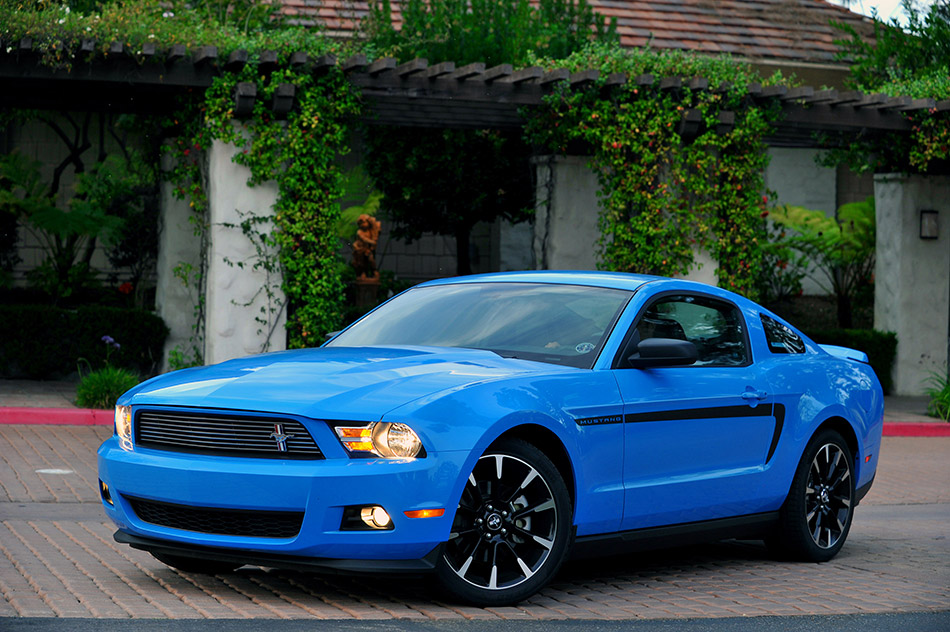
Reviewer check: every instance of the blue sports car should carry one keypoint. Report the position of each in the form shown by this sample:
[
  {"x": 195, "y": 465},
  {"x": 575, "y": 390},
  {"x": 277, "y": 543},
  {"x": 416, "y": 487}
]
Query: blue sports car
[{"x": 485, "y": 428}]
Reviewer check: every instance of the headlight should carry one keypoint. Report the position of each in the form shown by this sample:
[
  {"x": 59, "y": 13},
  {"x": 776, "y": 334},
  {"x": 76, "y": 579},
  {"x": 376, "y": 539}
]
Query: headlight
[
  {"x": 396, "y": 440},
  {"x": 123, "y": 426},
  {"x": 390, "y": 440}
]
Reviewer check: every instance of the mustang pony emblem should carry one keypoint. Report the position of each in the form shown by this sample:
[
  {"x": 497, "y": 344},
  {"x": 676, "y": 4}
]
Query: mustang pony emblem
[{"x": 281, "y": 438}]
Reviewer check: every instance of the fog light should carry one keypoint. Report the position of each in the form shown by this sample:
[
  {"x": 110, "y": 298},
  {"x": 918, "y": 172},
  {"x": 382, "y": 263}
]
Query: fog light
[
  {"x": 375, "y": 517},
  {"x": 365, "y": 518},
  {"x": 104, "y": 492}
]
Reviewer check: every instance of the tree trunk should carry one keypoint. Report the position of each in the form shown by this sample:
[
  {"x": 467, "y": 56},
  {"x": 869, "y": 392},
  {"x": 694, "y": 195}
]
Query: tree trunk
[{"x": 844, "y": 311}]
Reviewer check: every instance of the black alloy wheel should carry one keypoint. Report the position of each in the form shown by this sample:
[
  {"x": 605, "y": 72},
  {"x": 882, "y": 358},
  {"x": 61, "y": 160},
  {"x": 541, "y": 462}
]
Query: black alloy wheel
[
  {"x": 512, "y": 529},
  {"x": 817, "y": 514}
]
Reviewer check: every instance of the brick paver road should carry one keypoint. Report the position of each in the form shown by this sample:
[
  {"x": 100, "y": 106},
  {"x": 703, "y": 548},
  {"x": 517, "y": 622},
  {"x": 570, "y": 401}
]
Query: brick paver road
[{"x": 58, "y": 559}]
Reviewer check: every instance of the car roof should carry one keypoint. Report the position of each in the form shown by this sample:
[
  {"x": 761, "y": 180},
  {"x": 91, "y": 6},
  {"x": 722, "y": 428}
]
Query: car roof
[{"x": 615, "y": 280}]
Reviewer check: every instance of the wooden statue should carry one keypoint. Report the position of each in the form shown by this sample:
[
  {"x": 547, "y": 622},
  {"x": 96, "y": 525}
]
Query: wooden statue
[{"x": 364, "y": 248}]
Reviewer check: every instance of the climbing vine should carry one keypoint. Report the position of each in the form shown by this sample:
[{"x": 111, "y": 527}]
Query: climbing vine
[
  {"x": 668, "y": 186},
  {"x": 300, "y": 154}
]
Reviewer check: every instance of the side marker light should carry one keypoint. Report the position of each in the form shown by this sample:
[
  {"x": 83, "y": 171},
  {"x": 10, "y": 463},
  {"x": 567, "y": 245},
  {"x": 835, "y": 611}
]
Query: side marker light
[{"x": 425, "y": 513}]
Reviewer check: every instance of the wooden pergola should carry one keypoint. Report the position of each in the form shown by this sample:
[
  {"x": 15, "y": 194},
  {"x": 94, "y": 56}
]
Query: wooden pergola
[{"x": 413, "y": 94}]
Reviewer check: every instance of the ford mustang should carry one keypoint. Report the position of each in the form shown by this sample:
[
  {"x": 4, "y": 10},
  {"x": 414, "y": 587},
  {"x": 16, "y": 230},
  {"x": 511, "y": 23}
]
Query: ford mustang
[{"x": 483, "y": 429}]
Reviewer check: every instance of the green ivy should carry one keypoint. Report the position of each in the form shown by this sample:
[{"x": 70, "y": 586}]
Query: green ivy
[
  {"x": 662, "y": 196},
  {"x": 301, "y": 156}
]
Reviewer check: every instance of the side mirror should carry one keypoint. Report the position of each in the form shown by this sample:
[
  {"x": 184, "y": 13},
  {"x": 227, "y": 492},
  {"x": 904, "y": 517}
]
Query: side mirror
[{"x": 663, "y": 352}]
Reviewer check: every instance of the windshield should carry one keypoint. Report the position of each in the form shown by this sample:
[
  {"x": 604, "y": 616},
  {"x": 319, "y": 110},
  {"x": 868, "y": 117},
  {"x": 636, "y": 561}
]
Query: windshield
[{"x": 561, "y": 324}]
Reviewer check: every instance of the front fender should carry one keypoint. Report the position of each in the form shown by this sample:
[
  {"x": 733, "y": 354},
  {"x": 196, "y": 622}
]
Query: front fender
[{"x": 471, "y": 419}]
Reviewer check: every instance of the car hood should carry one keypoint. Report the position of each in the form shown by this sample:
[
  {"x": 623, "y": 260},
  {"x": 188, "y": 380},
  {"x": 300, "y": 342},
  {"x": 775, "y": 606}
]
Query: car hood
[{"x": 361, "y": 384}]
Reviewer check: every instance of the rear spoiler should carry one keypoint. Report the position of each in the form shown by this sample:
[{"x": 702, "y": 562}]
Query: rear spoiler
[{"x": 846, "y": 353}]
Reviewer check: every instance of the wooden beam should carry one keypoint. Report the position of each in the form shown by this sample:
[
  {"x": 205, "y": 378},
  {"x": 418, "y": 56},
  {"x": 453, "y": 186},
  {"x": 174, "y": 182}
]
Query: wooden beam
[
  {"x": 25, "y": 45},
  {"x": 116, "y": 48},
  {"x": 177, "y": 52},
  {"x": 698, "y": 83},
  {"x": 440, "y": 70},
  {"x": 671, "y": 83},
  {"x": 523, "y": 75},
  {"x": 892, "y": 103},
  {"x": 848, "y": 98},
  {"x": 236, "y": 60},
  {"x": 411, "y": 67},
  {"x": 87, "y": 46},
  {"x": 943, "y": 106},
  {"x": 727, "y": 122},
  {"x": 584, "y": 78},
  {"x": 205, "y": 55},
  {"x": 356, "y": 63},
  {"x": 554, "y": 76},
  {"x": 495, "y": 72},
  {"x": 465, "y": 72},
  {"x": 769, "y": 92},
  {"x": 801, "y": 92},
  {"x": 324, "y": 62},
  {"x": 822, "y": 96},
  {"x": 919, "y": 104},
  {"x": 615, "y": 79},
  {"x": 689, "y": 124},
  {"x": 299, "y": 58},
  {"x": 381, "y": 65},
  {"x": 283, "y": 100},
  {"x": 244, "y": 96},
  {"x": 267, "y": 61},
  {"x": 149, "y": 50}
]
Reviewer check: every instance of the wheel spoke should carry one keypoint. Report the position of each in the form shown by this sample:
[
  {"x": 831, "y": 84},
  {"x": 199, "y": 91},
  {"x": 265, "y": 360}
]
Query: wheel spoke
[{"x": 544, "y": 506}]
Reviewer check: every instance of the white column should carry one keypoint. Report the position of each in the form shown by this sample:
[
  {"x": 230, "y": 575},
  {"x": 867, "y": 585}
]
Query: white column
[
  {"x": 912, "y": 276},
  {"x": 178, "y": 245},
  {"x": 565, "y": 223},
  {"x": 236, "y": 297}
]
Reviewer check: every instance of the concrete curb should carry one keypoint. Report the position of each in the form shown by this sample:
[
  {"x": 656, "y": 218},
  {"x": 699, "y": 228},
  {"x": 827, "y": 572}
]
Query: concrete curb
[
  {"x": 56, "y": 416},
  {"x": 92, "y": 417}
]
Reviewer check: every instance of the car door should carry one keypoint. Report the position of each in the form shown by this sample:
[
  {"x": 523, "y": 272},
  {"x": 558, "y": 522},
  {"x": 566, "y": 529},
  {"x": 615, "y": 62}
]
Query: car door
[{"x": 696, "y": 437}]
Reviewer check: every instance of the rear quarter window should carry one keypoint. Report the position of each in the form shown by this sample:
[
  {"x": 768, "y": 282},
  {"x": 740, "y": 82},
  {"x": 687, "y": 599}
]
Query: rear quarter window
[{"x": 781, "y": 339}]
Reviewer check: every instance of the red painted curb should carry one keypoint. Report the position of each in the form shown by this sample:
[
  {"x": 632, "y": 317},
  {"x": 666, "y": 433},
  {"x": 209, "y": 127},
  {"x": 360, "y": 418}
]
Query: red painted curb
[
  {"x": 916, "y": 429},
  {"x": 57, "y": 416}
]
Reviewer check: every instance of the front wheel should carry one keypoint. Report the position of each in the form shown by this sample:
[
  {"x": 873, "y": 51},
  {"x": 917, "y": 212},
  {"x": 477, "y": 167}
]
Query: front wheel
[
  {"x": 816, "y": 517},
  {"x": 512, "y": 530}
]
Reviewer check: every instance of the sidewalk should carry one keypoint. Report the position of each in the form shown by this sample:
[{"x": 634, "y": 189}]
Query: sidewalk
[{"x": 42, "y": 402}]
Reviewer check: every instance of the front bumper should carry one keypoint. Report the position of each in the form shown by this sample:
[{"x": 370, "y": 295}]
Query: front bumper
[{"x": 318, "y": 488}]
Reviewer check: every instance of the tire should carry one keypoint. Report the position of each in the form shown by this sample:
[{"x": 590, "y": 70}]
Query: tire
[
  {"x": 512, "y": 530},
  {"x": 196, "y": 565},
  {"x": 815, "y": 520}
]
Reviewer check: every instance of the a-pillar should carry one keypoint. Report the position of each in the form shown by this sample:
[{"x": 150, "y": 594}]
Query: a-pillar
[
  {"x": 245, "y": 307},
  {"x": 912, "y": 275}
]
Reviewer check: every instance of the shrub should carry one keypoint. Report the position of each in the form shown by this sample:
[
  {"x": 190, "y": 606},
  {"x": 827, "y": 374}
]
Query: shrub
[
  {"x": 880, "y": 346},
  {"x": 939, "y": 392},
  {"x": 101, "y": 388},
  {"x": 44, "y": 342}
]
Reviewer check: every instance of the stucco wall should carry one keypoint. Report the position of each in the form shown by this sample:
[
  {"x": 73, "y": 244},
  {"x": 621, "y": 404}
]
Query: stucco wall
[
  {"x": 235, "y": 295},
  {"x": 178, "y": 245},
  {"x": 798, "y": 180},
  {"x": 912, "y": 276}
]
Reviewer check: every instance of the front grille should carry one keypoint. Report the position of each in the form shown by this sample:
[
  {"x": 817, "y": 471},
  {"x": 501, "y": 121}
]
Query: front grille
[
  {"x": 254, "y": 524},
  {"x": 224, "y": 434}
]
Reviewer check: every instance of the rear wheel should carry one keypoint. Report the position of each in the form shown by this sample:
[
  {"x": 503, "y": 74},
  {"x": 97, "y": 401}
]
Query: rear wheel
[
  {"x": 196, "y": 565},
  {"x": 816, "y": 517},
  {"x": 512, "y": 529}
]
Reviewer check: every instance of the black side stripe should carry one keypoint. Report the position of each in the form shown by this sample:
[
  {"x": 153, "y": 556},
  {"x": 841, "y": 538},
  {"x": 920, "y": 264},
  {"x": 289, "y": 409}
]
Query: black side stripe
[
  {"x": 779, "y": 423},
  {"x": 718, "y": 413}
]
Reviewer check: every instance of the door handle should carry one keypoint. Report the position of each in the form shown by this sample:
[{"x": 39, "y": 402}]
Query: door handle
[{"x": 754, "y": 396}]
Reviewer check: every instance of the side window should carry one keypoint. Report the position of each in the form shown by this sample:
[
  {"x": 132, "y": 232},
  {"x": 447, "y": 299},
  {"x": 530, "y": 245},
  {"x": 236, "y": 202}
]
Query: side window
[
  {"x": 715, "y": 327},
  {"x": 781, "y": 339}
]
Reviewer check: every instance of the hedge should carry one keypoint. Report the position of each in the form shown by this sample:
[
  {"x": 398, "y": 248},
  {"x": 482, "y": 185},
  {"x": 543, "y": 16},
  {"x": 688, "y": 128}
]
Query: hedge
[
  {"x": 43, "y": 342},
  {"x": 880, "y": 346}
]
